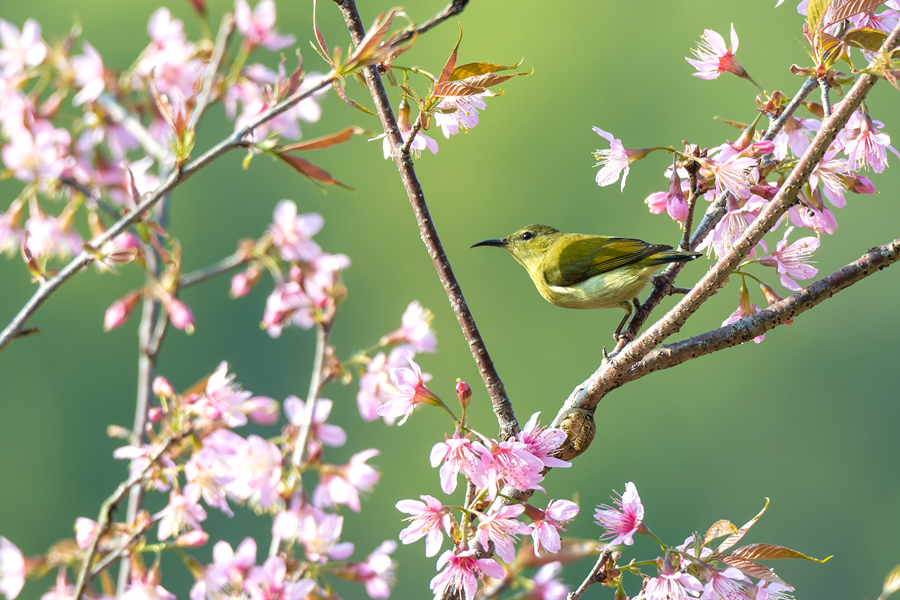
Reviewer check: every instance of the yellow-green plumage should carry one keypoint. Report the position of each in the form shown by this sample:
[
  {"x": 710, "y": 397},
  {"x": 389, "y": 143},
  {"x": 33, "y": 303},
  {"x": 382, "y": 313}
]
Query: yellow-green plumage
[{"x": 575, "y": 270}]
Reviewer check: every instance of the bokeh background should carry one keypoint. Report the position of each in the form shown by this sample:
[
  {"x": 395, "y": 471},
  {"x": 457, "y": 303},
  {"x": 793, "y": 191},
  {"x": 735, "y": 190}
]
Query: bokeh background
[{"x": 808, "y": 418}]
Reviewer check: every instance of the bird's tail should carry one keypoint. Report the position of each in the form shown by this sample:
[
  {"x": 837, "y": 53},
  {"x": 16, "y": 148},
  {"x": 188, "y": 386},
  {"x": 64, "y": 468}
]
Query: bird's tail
[{"x": 670, "y": 256}]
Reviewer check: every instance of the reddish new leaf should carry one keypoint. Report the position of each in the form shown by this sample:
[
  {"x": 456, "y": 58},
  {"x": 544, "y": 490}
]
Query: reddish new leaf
[
  {"x": 845, "y": 9},
  {"x": 471, "y": 85},
  {"x": 342, "y": 94},
  {"x": 718, "y": 529},
  {"x": 771, "y": 551},
  {"x": 753, "y": 569},
  {"x": 307, "y": 169},
  {"x": 324, "y": 142},
  {"x": 735, "y": 538},
  {"x": 451, "y": 61}
]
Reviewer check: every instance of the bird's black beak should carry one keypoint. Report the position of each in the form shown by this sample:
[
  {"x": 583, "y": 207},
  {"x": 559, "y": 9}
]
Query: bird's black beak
[{"x": 493, "y": 242}]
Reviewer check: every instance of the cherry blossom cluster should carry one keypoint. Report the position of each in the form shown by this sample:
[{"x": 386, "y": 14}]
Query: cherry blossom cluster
[
  {"x": 194, "y": 455},
  {"x": 747, "y": 173},
  {"x": 692, "y": 569},
  {"x": 103, "y": 162}
]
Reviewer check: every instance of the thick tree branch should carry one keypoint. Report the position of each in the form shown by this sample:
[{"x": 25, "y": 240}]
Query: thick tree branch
[
  {"x": 235, "y": 140},
  {"x": 502, "y": 407},
  {"x": 776, "y": 314}
]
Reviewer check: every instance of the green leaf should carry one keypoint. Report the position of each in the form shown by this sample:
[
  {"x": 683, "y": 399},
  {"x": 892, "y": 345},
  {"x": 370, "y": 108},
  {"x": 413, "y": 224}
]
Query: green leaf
[
  {"x": 865, "y": 38},
  {"x": 815, "y": 10},
  {"x": 480, "y": 68},
  {"x": 771, "y": 551}
]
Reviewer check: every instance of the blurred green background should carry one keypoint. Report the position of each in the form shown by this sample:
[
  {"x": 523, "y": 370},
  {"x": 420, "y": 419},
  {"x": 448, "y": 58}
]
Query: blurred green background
[{"x": 808, "y": 418}]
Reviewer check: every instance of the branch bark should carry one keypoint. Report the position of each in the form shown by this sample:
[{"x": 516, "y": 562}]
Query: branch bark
[{"x": 509, "y": 427}]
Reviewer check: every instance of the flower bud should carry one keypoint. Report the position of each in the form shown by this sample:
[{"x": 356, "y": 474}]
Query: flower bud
[
  {"x": 244, "y": 282},
  {"x": 192, "y": 539},
  {"x": 85, "y": 529},
  {"x": 656, "y": 202},
  {"x": 156, "y": 415},
  {"x": 162, "y": 387},
  {"x": 263, "y": 410},
  {"x": 772, "y": 297},
  {"x": 179, "y": 313},
  {"x": 862, "y": 185},
  {"x": 464, "y": 392},
  {"x": 120, "y": 311}
]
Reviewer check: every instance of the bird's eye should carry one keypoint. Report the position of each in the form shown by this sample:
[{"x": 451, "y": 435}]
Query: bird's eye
[{"x": 527, "y": 235}]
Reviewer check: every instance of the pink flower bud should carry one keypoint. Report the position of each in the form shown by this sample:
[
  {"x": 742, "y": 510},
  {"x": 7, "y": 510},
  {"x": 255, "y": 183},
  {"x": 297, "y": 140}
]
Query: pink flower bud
[
  {"x": 192, "y": 539},
  {"x": 162, "y": 387},
  {"x": 464, "y": 392},
  {"x": 862, "y": 185},
  {"x": 656, "y": 202},
  {"x": 156, "y": 415},
  {"x": 179, "y": 313},
  {"x": 764, "y": 191},
  {"x": 244, "y": 282},
  {"x": 120, "y": 311},
  {"x": 263, "y": 410},
  {"x": 296, "y": 274},
  {"x": 85, "y": 529}
]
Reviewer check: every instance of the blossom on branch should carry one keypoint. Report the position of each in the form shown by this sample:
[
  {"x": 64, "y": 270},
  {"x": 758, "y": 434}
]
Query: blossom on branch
[
  {"x": 546, "y": 524},
  {"x": 20, "y": 50},
  {"x": 430, "y": 519},
  {"x": 501, "y": 527},
  {"x": 792, "y": 261},
  {"x": 623, "y": 520},
  {"x": 462, "y": 571},
  {"x": 713, "y": 58},
  {"x": 258, "y": 26}
]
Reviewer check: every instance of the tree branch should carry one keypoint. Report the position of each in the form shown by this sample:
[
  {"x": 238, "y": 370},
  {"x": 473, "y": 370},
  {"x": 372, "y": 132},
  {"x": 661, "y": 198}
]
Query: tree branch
[
  {"x": 501, "y": 405},
  {"x": 595, "y": 576},
  {"x": 776, "y": 314},
  {"x": 454, "y": 8},
  {"x": 235, "y": 140}
]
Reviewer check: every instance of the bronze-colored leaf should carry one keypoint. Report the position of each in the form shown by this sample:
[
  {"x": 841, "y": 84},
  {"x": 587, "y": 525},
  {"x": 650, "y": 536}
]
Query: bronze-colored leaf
[
  {"x": 771, "y": 551},
  {"x": 479, "y": 68},
  {"x": 307, "y": 169},
  {"x": 374, "y": 36},
  {"x": 342, "y": 94},
  {"x": 830, "y": 49},
  {"x": 471, "y": 85},
  {"x": 451, "y": 61},
  {"x": 718, "y": 529},
  {"x": 735, "y": 538},
  {"x": 323, "y": 142},
  {"x": 753, "y": 569},
  {"x": 865, "y": 38},
  {"x": 844, "y": 9},
  {"x": 891, "y": 583}
]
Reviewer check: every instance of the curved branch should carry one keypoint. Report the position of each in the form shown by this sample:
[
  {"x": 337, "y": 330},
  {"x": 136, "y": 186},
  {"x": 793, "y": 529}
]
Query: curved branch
[
  {"x": 776, "y": 314},
  {"x": 235, "y": 140},
  {"x": 502, "y": 407}
]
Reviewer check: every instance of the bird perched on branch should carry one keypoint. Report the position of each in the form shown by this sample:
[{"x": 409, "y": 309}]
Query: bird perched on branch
[{"x": 575, "y": 270}]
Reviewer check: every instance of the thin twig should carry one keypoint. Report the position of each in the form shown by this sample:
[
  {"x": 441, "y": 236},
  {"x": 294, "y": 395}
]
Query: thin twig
[
  {"x": 501, "y": 405},
  {"x": 452, "y": 9},
  {"x": 226, "y": 28},
  {"x": 120, "y": 115},
  {"x": 235, "y": 140},
  {"x": 94, "y": 195},
  {"x": 593, "y": 577},
  {"x": 223, "y": 266},
  {"x": 106, "y": 509},
  {"x": 316, "y": 381}
]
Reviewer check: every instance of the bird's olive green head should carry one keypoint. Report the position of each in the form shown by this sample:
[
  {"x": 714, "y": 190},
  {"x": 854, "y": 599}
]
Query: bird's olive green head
[{"x": 527, "y": 245}]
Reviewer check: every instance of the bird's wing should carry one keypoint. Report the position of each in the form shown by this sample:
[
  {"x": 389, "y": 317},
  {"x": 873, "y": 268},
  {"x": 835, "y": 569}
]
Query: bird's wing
[{"x": 593, "y": 255}]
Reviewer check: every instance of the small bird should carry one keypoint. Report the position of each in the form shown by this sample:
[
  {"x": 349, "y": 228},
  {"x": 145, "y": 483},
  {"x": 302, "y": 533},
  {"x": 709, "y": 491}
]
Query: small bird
[{"x": 575, "y": 270}]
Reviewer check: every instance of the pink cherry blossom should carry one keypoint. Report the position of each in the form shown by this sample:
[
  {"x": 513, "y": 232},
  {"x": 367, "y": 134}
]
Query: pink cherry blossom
[
  {"x": 407, "y": 393},
  {"x": 868, "y": 148},
  {"x": 546, "y": 585},
  {"x": 732, "y": 226},
  {"x": 813, "y": 215},
  {"x": 464, "y": 113},
  {"x": 508, "y": 463},
  {"x": 269, "y": 582},
  {"x": 376, "y": 382},
  {"x": 50, "y": 236},
  {"x": 227, "y": 567},
  {"x": 622, "y": 521},
  {"x": 713, "y": 58},
  {"x": 223, "y": 399},
  {"x": 182, "y": 512},
  {"x": 676, "y": 203},
  {"x": 672, "y": 585},
  {"x": 342, "y": 484},
  {"x": 734, "y": 175},
  {"x": 543, "y": 441},
  {"x": 457, "y": 455},
  {"x": 214, "y": 466},
  {"x": 38, "y": 154},
  {"x": 258, "y": 27},
  {"x": 287, "y": 304},
  {"x": 170, "y": 60},
  {"x": 319, "y": 534},
  {"x": 20, "y": 50},
  {"x": 430, "y": 519},
  {"x": 12, "y": 569},
  {"x": 415, "y": 330},
  {"x": 613, "y": 162},
  {"x": 729, "y": 584},
  {"x": 462, "y": 571},
  {"x": 292, "y": 233},
  {"x": 419, "y": 143},
  {"x": 10, "y": 227},
  {"x": 772, "y": 591},
  {"x": 258, "y": 474},
  {"x": 796, "y": 135},
  {"x": 830, "y": 171},
  {"x": 85, "y": 529},
  {"x": 88, "y": 70},
  {"x": 146, "y": 587},
  {"x": 745, "y": 309},
  {"x": 377, "y": 572},
  {"x": 793, "y": 261},
  {"x": 546, "y": 526},
  {"x": 501, "y": 528},
  {"x": 63, "y": 590},
  {"x": 320, "y": 432}
]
